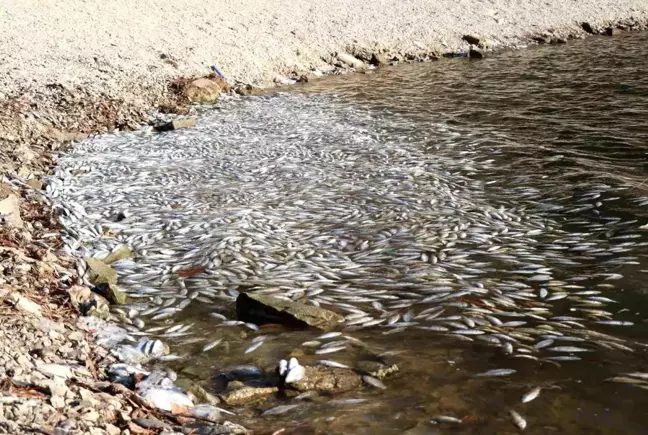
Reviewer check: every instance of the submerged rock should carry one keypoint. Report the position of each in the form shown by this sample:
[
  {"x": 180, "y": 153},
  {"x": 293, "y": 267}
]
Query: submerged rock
[
  {"x": 199, "y": 395},
  {"x": 327, "y": 380},
  {"x": 240, "y": 394},
  {"x": 261, "y": 309}
]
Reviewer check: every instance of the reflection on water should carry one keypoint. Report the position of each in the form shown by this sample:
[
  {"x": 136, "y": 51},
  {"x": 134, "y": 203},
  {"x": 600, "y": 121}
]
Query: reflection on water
[{"x": 511, "y": 187}]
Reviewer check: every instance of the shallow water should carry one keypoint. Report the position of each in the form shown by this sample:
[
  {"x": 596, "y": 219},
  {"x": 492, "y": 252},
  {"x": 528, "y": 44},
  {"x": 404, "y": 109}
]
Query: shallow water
[{"x": 380, "y": 191}]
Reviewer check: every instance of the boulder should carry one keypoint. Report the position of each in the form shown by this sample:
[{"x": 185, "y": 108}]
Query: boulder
[
  {"x": 262, "y": 309},
  {"x": 88, "y": 303}
]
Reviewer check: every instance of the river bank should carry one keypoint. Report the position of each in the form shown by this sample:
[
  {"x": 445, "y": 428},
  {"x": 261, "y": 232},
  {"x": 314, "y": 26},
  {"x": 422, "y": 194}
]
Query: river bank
[{"x": 38, "y": 118}]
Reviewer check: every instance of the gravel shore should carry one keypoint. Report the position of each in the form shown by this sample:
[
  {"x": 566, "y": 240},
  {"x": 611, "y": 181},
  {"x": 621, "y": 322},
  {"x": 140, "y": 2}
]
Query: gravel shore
[{"x": 71, "y": 69}]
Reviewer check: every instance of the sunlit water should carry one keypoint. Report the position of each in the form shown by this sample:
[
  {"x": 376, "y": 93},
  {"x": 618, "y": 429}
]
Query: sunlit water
[{"x": 317, "y": 178}]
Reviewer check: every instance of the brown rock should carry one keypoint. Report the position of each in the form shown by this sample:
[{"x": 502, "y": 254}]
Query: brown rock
[
  {"x": 202, "y": 90},
  {"x": 328, "y": 380},
  {"x": 262, "y": 309},
  {"x": 35, "y": 183},
  {"x": 176, "y": 124},
  {"x": 247, "y": 394}
]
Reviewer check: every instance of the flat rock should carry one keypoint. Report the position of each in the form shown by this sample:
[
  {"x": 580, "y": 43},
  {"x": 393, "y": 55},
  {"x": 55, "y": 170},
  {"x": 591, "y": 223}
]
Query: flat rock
[
  {"x": 328, "y": 380},
  {"x": 23, "y": 304},
  {"x": 101, "y": 272},
  {"x": 10, "y": 211},
  {"x": 55, "y": 370},
  {"x": 119, "y": 254},
  {"x": 261, "y": 309}
]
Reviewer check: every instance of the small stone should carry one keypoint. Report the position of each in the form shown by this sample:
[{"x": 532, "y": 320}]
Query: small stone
[
  {"x": 112, "y": 429},
  {"x": 176, "y": 124},
  {"x": 609, "y": 31},
  {"x": 35, "y": 183},
  {"x": 588, "y": 28},
  {"x": 475, "y": 53},
  {"x": 90, "y": 415},
  {"x": 57, "y": 402},
  {"x": 53, "y": 370},
  {"x": 328, "y": 380},
  {"x": 23, "y": 304},
  {"x": 10, "y": 211},
  {"x": 200, "y": 395},
  {"x": 471, "y": 39}
]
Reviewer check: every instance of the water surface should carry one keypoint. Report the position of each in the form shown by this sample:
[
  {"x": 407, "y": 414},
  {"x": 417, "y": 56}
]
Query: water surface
[{"x": 469, "y": 180}]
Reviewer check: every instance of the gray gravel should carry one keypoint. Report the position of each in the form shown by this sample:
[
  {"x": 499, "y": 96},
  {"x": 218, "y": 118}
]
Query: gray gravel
[{"x": 124, "y": 47}]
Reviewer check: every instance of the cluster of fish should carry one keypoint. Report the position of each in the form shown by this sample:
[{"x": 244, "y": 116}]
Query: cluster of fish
[{"x": 398, "y": 225}]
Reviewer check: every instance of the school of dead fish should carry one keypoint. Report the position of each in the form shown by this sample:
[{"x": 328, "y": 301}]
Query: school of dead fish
[{"x": 397, "y": 228}]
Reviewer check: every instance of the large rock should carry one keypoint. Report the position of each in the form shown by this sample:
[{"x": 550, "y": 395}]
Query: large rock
[
  {"x": 471, "y": 39},
  {"x": 261, "y": 309}
]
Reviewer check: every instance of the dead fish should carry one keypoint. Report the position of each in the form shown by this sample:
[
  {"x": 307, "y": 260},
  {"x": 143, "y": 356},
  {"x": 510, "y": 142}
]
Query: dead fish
[
  {"x": 374, "y": 382},
  {"x": 531, "y": 395},
  {"x": 281, "y": 409},
  {"x": 496, "y": 372},
  {"x": 445, "y": 419},
  {"x": 518, "y": 420}
]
